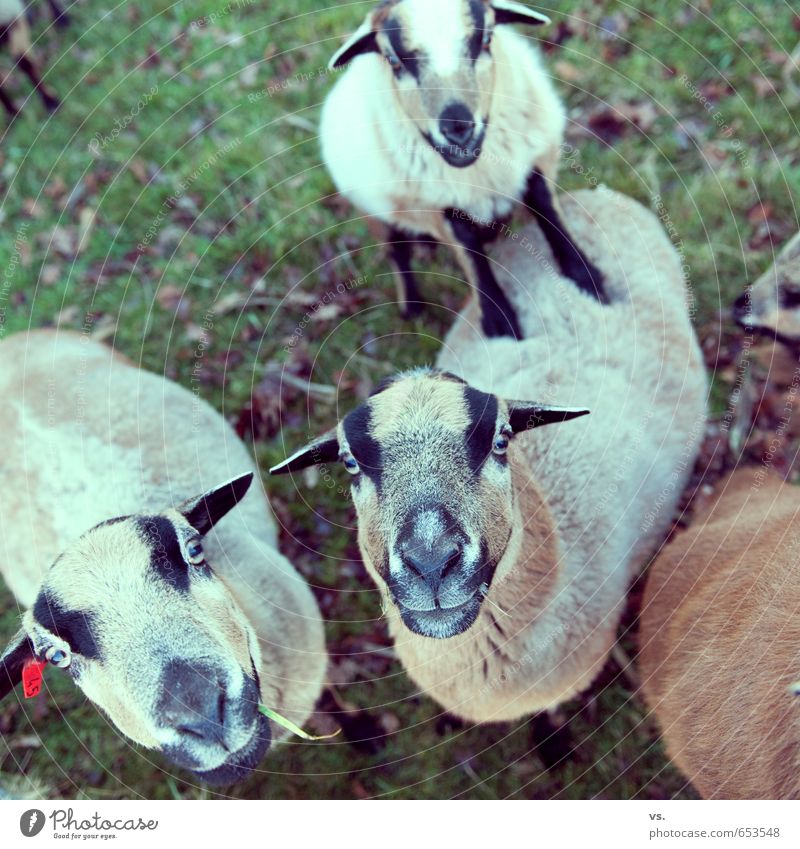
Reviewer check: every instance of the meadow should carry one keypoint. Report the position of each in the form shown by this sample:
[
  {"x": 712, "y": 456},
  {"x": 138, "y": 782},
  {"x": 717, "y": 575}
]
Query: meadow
[{"x": 177, "y": 208}]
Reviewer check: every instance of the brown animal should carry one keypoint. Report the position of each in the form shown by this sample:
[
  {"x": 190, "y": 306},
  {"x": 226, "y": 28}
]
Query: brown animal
[{"x": 720, "y": 642}]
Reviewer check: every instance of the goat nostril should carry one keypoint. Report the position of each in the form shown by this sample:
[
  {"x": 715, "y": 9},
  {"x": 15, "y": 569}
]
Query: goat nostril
[{"x": 452, "y": 563}]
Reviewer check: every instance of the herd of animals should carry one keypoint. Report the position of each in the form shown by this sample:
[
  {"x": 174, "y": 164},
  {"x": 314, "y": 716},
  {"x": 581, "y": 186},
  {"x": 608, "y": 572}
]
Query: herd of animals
[{"x": 505, "y": 499}]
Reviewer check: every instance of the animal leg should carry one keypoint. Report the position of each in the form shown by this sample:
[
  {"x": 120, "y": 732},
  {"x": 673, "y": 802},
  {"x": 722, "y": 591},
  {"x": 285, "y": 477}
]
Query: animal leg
[
  {"x": 8, "y": 103},
  {"x": 401, "y": 248},
  {"x": 60, "y": 16},
  {"x": 29, "y": 67},
  {"x": 570, "y": 258},
  {"x": 498, "y": 317},
  {"x": 552, "y": 740}
]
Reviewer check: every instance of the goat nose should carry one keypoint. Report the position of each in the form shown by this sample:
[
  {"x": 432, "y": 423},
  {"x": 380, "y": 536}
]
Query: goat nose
[
  {"x": 193, "y": 702},
  {"x": 433, "y": 565},
  {"x": 457, "y": 124}
]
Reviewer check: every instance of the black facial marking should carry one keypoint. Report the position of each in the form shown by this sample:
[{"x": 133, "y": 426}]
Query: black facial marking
[
  {"x": 366, "y": 450},
  {"x": 409, "y": 58},
  {"x": 76, "y": 627},
  {"x": 383, "y": 385},
  {"x": 166, "y": 554},
  {"x": 482, "y": 427},
  {"x": 789, "y": 297},
  {"x": 478, "y": 13}
]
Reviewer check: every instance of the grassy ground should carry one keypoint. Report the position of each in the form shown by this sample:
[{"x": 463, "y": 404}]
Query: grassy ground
[{"x": 208, "y": 105}]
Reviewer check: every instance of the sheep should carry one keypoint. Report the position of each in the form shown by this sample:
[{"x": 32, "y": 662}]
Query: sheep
[
  {"x": 503, "y": 551},
  {"x": 175, "y": 626},
  {"x": 720, "y": 642},
  {"x": 442, "y": 123},
  {"x": 772, "y": 305},
  {"x": 14, "y": 32}
]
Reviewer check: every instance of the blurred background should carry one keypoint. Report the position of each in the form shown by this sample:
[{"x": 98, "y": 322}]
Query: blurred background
[{"x": 175, "y": 206}]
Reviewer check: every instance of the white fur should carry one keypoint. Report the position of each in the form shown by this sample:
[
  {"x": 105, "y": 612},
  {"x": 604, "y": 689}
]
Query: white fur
[
  {"x": 379, "y": 160},
  {"x": 10, "y": 10}
]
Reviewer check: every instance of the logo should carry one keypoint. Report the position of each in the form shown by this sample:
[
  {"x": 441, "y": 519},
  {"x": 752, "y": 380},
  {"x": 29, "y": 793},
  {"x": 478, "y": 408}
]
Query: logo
[{"x": 31, "y": 823}]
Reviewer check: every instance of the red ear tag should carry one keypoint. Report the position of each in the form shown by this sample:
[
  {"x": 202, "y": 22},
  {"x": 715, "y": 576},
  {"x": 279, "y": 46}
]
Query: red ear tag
[{"x": 32, "y": 677}]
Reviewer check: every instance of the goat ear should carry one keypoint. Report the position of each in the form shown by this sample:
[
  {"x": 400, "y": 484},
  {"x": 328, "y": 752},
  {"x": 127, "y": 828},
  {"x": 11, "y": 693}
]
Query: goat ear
[
  {"x": 508, "y": 12},
  {"x": 16, "y": 654},
  {"x": 322, "y": 450},
  {"x": 524, "y": 416},
  {"x": 362, "y": 41},
  {"x": 203, "y": 512}
]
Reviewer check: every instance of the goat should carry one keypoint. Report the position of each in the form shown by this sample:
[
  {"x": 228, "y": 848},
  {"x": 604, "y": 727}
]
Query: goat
[
  {"x": 175, "y": 626},
  {"x": 14, "y": 32},
  {"x": 445, "y": 121},
  {"x": 503, "y": 551},
  {"x": 720, "y": 642},
  {"x": 772, "y": 304}
]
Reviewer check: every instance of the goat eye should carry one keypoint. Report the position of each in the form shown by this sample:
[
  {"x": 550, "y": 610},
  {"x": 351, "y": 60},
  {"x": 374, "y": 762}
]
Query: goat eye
[
  {"x": 195, "y": 551},
  {"x": 393, "y": 61},
  {"x": 58, "y": 657},
  {"x": 502, "y": 441},
  {"x": 487, "y": 39},
  {"x": 350, "y": 463}
]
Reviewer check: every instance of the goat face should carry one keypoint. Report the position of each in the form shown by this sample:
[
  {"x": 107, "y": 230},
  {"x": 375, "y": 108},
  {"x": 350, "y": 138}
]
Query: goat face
[
  {"x": 440, "y": 54},
  {"x": 772, "y": 304},
  {"x": 432, "y": 488},
  {"x": 154, "y": 638}
]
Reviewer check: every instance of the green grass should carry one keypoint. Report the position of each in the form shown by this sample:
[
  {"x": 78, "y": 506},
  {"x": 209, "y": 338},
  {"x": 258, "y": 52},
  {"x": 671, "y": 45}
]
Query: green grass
[{"x": 257, "y": 217}]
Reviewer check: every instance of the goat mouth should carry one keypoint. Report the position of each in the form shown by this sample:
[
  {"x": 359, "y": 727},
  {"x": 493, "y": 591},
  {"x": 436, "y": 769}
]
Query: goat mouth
[
  {"x": 458, "y": 156},
  {"x": 242, "y": 763},
  {"x": 442, "y": 623}
]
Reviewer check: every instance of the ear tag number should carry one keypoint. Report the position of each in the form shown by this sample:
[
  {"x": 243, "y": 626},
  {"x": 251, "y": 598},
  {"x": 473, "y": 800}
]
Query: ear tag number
[{"x": 32, "y": 678}]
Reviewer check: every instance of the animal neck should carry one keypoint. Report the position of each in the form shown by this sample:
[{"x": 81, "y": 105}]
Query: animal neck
[{"x": 526, "y": 577}]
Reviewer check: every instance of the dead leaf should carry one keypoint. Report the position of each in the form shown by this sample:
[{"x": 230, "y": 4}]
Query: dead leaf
[
  {"x": 86, "y": 222},
  {"x": 173, "y": 299},
  {"x": 50, "y": 275}
]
